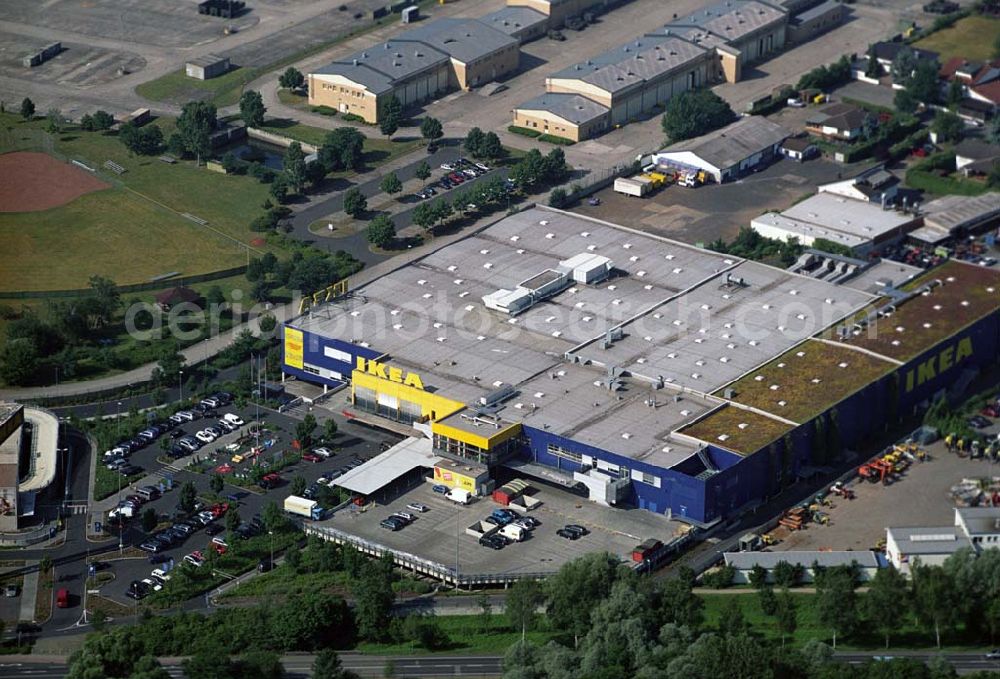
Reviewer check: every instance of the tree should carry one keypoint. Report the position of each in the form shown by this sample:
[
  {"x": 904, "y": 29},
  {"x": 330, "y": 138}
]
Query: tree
[
  {"x": 329, "y": 429},
  {"x": 327, "y": 666},
  {"x": 295, "y": 166},
  {"x": 101, "y": 121},
  {"x": 188, "y": 496},
  {"x": 491, "y": 147},
  {"x": 423, "y": 216},
  {"x": 342, "y": 149},
  {"x": 758, "y": 577},
  {"x": 955, "y": 94},
  {"x": 390, "y": 184},
  {"x": 27, "y": 109},
  {"x": 233, "y": 519},
  {"x": 260, "y": 664},
  {"x": 905, "y": 102},
  {"x": 195, "y": 125},
  {"x": 142, "y": 141},
  {"x": 786, "y": 575},
  {"x": 695, "y": 112},
  {"x": 45, "y": 565},
  {"x": 18, "y": 361},
  {"x": 252, "y": 108},
  {"x": 392, "y": 117},
  {"x": 993, "y": 130},
  {"x": 279, "y": 188},
  {"x": 146, "y": 667},
  {"x": 381, "y": 231},
  {"x": 485, "y": 611},
  {"x": 786, "y": 615},
  {"x": 217, "y": 483},
  {"x": 887, "y": 601},
  {"x": 292, "y": 79},
  {"x": 731, "y": 621},
  {"x": 267, "y": 323},
  {"x": 355, "y": 203},
  {"x": 431, "y": 129},
  {"x": 422, "y": 171},
  {"x": 947, "y": 126},
  {"x": 473, "y": 141},
  {"x": 936, "y": 600},
  {"x": 924, "y": 84},
  {"x": 836, "y": 601},
  {"x": 872, "y": 68},
  {"x": 442, "y": 210},
  {"x": 521, "y": 604},
  {"x": 558, "y": 197},
  {"x": 577, "y": 588},
  {"x": 903, "y": 66},
  {"x": 54, "y": 121},
  {"x": 768, "y": 601},
  {"x": 304, "y": 430},
  {"x": 679, "y": 604},
  {"x": 273, "y": 518},
  {"x": 373, "y": 597},
  {"x": 298, "y": 485},
  {"x": 148, "y": 519}
]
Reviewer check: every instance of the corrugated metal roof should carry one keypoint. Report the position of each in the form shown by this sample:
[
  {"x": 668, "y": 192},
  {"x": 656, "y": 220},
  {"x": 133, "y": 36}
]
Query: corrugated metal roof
[
  {"x": 747, "y": 560},
  {"x": 385, "y": 468},
  {"x": 572, "y": 107},
  {"x": 727, "y": 146}
]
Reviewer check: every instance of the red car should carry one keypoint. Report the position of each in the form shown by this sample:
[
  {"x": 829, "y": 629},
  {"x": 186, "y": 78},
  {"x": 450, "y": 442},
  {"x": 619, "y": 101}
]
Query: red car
[
  {"x": 219, "y": 509},
  {"x": 456, "y": 178},
  {"x": 312, "y": 457},
  {"x": 991, "y": 410}
]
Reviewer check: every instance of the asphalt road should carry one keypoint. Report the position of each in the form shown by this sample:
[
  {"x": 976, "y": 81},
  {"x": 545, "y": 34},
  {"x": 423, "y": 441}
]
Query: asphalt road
[
  {"x": 356, "y": 244},
  {"x": 445, "y": 665}
]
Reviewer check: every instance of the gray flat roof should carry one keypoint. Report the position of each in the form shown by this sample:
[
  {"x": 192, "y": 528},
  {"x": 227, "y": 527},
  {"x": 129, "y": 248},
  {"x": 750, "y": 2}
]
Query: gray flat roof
[
  {"x": 918, "y": 540},
  {"x": 855, "y": 217},
  {"x": 572, "y": 107},
  {"x": 979, "y": 520},
  {"x": 745, "y": 561},
  {"x": 511, "y": 20},
  {"x": 727, "y": 146},
  {"x": 385, "y": 468},
  {"x": 807, "y": 230},
  {"x": 646, "y": 58},
  {"x": 815, "y": 11},
  {"x": 872, "y": 279},
  {"x": 206, "y": 60},
  {"x": 955, "y": 212},
  {"x": 429, "y": 317}
]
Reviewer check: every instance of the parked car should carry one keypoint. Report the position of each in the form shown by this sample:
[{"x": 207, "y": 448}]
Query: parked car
[
  {"x": 492, "y": 541},
  {"x": 483, "y": 166},
  {"x": 392, "y": 523},
  {"x": 417, "y": 507},
  {"x": 993, "y": 655},
  {"x": 445, "y": 183},
  {"x": 311, "y": 457},
  {"x": 205, "y": 436},
  {"x": 578, "y": 529},
  {"x": 440, "y": 489},
  {"x": 405, "y": 516},
  {"x": 185, "y": 415},
  {"x": 153, "y": 546},
  {"x": 213, "y": 529},
  {"x": 979, "y": 422},
  {"x": 322, "y": 452},
  {"x": 447, "y": 167},
  {"x": 234, "y": 419},
  {"x": 568, "y": 534}
]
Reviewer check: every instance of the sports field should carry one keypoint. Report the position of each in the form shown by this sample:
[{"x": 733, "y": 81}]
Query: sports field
[
  {"x": 133, "y": 231},
  {"x": 36, "y": 181}
]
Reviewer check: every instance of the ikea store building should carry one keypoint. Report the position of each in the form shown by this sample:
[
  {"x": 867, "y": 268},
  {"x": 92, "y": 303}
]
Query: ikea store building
[{"x": 642, "y": 371}]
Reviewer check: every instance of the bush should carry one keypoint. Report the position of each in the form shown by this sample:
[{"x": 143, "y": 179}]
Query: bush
[
  {"x": 324, "y": 110},
  {"x": 524, "y": 131},
  {"x": 352, "y": 117},
  {"x": 694, "y": 113},
  {"x": 721, "y": 578}
]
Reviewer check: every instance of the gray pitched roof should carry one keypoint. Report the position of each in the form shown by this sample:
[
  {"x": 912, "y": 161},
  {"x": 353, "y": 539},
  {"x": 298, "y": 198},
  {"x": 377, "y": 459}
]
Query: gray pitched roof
[
  {"x": 510, "y": 20},
  {"x": 571, "y": 107},
  {"x": 463, "y": 39},
  {"x": 642, "y": 59},
  {"x": 729, "y": 145},
  {"x": 732, "y": 19}
]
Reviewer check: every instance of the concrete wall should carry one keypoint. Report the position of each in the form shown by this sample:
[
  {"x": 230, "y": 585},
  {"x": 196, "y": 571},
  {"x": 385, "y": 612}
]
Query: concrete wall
[
  {"x": 492, "y": 67},
  {"x": 343, "y": 96}
]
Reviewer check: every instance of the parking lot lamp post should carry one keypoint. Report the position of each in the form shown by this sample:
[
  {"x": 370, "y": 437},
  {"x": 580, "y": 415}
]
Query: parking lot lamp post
[
  {"x": 180, "y": 385},
  {"x": 118, "y": 418},
  {"x": 271, "y": 533}
]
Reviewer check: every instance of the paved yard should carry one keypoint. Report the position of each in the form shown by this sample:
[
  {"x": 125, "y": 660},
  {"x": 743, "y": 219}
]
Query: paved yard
[
  {"x": 716, "y": 210},
  {"x": 920, "y": 498},
  {"x": 439, "y": 534}
]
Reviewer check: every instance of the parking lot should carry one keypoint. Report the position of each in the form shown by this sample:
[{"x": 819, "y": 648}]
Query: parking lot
[
  {"x": 920, "y": 498},
  {"x": 702, "y": 214},
  {"x": 350, "y": 442},
  {"x": 439, "y": 534},
  {"x": 78, "y": 64}
]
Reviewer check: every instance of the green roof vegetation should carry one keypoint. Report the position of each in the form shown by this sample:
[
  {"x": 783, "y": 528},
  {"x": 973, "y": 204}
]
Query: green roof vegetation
[
  {"x": 967, "y": 294},
  {"x": 741, "y": 431},
  {"x": 809, "y": 380}
]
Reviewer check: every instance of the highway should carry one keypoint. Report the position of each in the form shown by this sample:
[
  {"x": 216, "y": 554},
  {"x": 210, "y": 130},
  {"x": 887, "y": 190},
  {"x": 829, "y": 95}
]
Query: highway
[{"x": 441, "y": 665}]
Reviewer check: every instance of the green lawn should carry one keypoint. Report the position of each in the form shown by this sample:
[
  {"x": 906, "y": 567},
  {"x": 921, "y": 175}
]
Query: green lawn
[
  {"x": 378, "y": 150},
  {"x": 283, "y": 583},
  {"x": 133, "y": 231},
  {"x": 943, "y": 186},
  {"x": 177, "y": 88},
  {"x": 467, "y": 635},
  {"x": 972, "y": 38}
]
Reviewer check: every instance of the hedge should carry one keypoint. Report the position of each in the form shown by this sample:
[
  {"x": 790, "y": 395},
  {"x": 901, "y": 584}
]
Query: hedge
[
  {"x": 557, "y": 140},
  {"x": 525, "y": 131}
]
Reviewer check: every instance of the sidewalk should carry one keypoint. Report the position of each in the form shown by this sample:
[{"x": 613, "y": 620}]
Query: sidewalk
[{"x": 29, "y": 594}]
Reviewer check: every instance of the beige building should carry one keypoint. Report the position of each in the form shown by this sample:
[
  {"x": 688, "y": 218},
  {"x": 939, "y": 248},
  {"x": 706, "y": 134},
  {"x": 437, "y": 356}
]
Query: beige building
[
  {"x": 634, "y": 79},
  {"x": 559, "y": 10},
  {"x": 420, "y": 65}
]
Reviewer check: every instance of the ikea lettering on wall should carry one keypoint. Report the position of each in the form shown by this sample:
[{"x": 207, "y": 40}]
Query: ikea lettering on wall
[
  {"x": 946, "y": 359},
  {"x": 387, "y": 372}
]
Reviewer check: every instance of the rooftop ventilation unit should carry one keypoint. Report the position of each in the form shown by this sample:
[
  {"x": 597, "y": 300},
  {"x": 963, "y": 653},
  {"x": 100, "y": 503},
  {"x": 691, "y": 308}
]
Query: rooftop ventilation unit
[
  {"x": 504, "y": 393},
  {"x": 735, "y": 281}
]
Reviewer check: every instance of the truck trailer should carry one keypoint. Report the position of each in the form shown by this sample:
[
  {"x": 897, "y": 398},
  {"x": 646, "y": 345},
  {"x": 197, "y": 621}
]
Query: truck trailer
[
  {"x": 459, "y": 495},
  {"x": 300, "y": 506},
  {"x": 633, "y": 186}
]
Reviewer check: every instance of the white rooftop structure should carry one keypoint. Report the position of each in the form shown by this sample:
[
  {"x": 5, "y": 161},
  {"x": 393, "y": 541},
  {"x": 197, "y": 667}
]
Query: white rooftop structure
[
  {"x": 383, "y": 469},
  {"x": 850, "y": 217}
]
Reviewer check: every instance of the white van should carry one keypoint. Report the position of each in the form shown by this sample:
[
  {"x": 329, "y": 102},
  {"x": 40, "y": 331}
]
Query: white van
[
  {"x": 459, "y": 495},
  {"x": 515, "y": 533}
]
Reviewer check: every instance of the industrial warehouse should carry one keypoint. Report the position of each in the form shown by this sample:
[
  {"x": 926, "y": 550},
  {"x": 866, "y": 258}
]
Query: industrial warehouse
[{"x": 650, "y": 373}]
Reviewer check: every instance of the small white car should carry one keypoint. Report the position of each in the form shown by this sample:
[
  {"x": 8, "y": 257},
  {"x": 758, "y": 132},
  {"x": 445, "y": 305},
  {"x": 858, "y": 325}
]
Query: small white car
[
  {"x": 194, "y": 560},
  {"x": 152, "y": 584},
  {"x": 323, "y": 452},
  {"x": 233, "y": 418},
  {"x": 483, "y": 166},
  {"x": 447, "y": 167},
  {"x": 186, "y": 415},
  {"x": 160, "y": 573},
  {"x": 417, "y": 507},
  {"x": 204, "y": 436}
]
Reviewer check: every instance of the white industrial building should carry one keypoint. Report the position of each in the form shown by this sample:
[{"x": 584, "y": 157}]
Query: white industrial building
[
  {"x": 867, "y": 562},
  {"x": 728, "y": 152},
  {"x": 856, "y": 224},
  {"x": 975, "y": 528}
]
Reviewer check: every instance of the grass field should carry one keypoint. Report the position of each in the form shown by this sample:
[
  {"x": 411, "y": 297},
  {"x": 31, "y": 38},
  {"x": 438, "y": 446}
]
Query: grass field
[
  {"x": 177, "y": 88},
  {"x": 972, "y": 38},
  {"x": 377, "y": 149},
  {"x": 931, "y": 182},
  {"x": 133, "y": 231},
  {"x": 467, "y": 635}
]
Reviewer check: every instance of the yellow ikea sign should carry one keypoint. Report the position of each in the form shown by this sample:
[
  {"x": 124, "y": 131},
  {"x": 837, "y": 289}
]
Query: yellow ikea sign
[
  {"x": 293, "y": 348},
  {"x": 390, "y": 373},
  {"x": 946, "y": 359}
]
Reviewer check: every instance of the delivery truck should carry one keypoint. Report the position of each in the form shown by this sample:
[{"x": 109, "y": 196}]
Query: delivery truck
[
  {"x": 303, "y": 507},
  {"x": 633, "y": 186},
  {"x": 515, "y": 533},
  {"x": 459, "y": 495}
]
